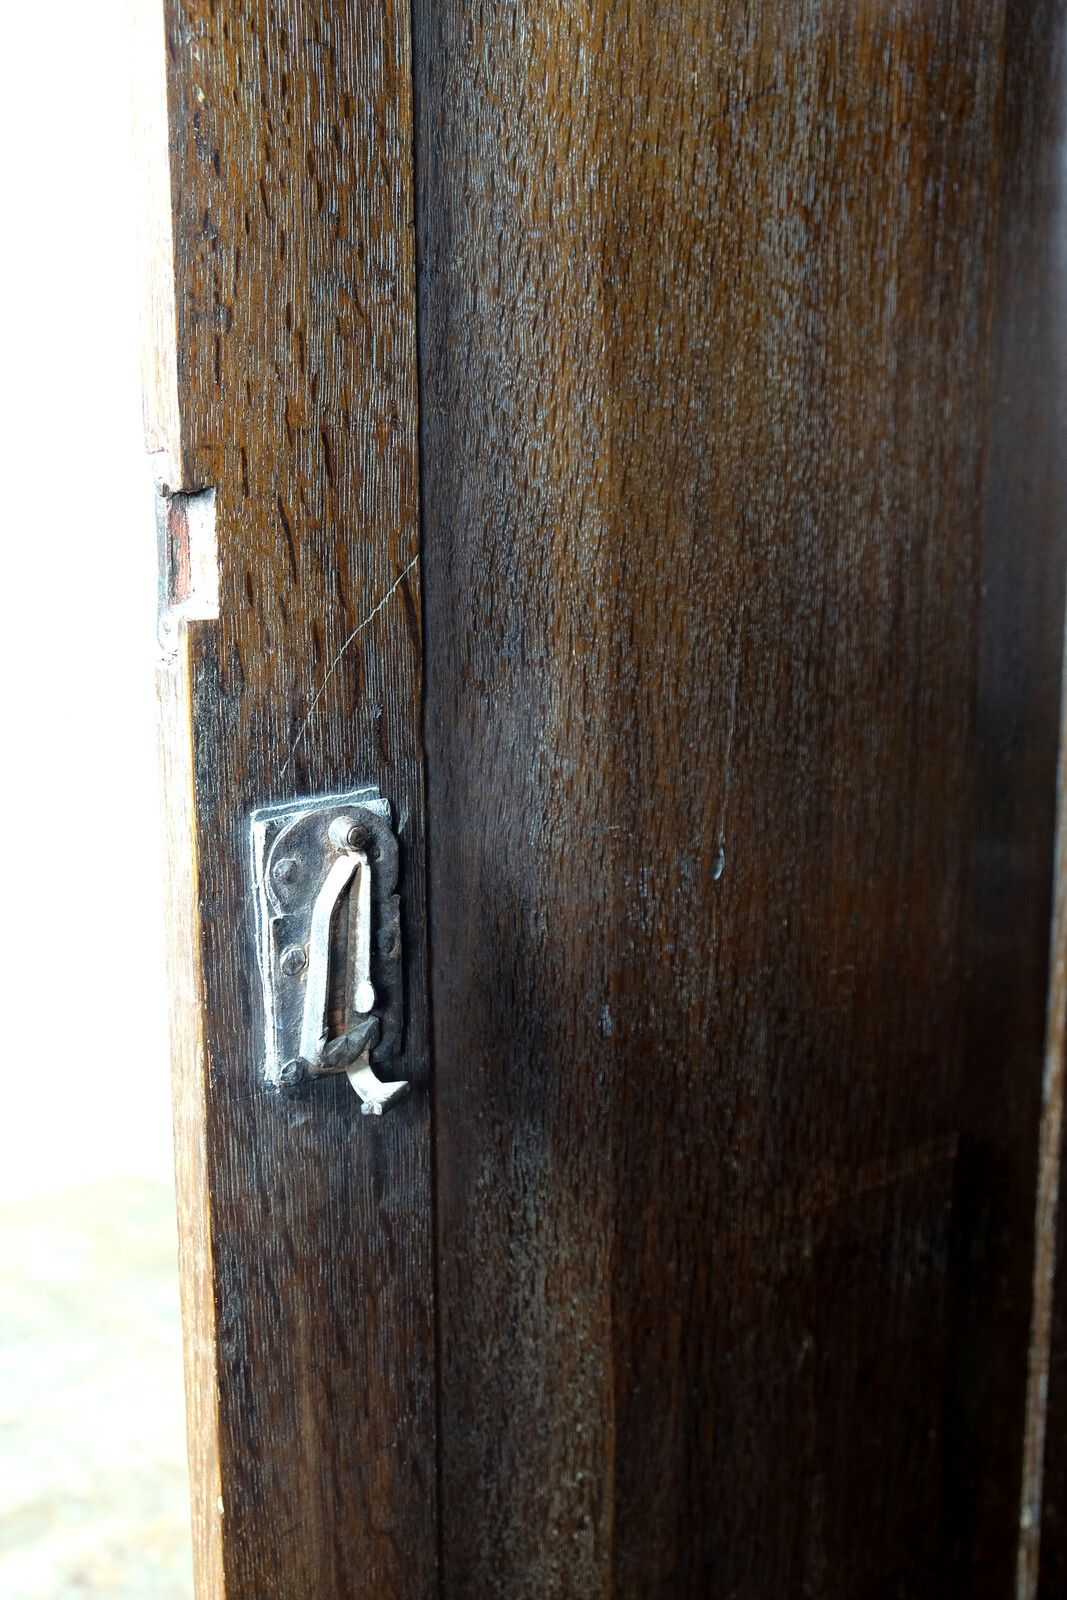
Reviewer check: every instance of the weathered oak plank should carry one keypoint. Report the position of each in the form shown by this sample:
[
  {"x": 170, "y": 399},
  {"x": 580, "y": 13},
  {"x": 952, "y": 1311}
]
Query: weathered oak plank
[
  {"x": 309, "y": 1316},
  {"x": 742, "y": 506},
  {"x": 707, "y": 303}
]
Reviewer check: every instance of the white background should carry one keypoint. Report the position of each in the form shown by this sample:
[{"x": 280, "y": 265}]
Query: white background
[{"x": 83, "y": 1072}]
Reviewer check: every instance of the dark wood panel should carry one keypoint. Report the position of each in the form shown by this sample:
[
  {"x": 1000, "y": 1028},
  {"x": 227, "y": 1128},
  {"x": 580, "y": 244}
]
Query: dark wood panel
[
  {"x": 292, "y": 376},
  {"x": 706, "y": 341},
  {"x": 1024, "y": 561},
  {"x": 1033, "y": 425}
]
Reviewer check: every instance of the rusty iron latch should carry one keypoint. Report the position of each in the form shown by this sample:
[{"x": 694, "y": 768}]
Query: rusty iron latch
[{"x": 329, "y": 942}]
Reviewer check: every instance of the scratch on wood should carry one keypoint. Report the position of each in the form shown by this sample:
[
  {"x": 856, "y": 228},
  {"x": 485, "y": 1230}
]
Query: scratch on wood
[
  {"x": 286, "y": 524},
  {"x": 741, "y": 106},
  {"x": 828, "y": 1189}
]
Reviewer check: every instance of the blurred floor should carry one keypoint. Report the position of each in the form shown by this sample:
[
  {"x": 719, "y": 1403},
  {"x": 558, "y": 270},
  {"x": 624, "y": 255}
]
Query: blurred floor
[{"x": 93, "y": 1479}]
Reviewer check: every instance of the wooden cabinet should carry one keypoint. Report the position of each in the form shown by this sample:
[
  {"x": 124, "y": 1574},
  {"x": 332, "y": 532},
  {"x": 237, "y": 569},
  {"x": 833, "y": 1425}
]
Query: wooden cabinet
[{"x": 636, "y": 444}]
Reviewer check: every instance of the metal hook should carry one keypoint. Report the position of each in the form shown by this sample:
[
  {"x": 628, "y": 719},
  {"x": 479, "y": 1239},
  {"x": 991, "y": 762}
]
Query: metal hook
[{"x": 341, "y": 850}]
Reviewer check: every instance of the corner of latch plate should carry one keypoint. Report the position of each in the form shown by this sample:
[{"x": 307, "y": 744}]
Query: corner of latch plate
[{"x": 328, "y": 926}]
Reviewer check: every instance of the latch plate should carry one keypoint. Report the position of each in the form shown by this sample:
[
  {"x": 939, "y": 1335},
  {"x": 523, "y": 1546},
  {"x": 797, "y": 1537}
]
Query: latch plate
[{"x": 330, "y": 956}]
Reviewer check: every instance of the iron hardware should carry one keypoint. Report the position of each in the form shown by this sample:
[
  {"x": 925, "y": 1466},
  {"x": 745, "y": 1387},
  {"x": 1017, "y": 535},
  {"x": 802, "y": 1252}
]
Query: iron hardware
[{"x": 329, "y": 942}]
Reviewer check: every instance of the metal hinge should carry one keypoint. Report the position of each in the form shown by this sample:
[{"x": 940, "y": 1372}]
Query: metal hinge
[{"x": 329, "y": 942}]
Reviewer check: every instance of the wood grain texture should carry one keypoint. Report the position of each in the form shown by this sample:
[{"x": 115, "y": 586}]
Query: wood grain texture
[
  {"x": 189, "y": 1083},
  {"x": 1050, "y": 1160},
  {"x": 1035, "y": 396},
  {"x": 1043, "y": 1553},
  {"x": 291, "y": 218},
  {"x": 706, "y": 309},
  {"x": 1024, "y": 563},
  {"x": 155, "y": 239}
]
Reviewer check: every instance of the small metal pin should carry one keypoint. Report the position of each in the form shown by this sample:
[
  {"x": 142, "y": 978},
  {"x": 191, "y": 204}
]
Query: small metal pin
[
  {"x": 286, "y": 869},
  {"x": 293, "y": 960},
  {"x": 292, "y": 1075},
  {"x": 347, "y": 834}
]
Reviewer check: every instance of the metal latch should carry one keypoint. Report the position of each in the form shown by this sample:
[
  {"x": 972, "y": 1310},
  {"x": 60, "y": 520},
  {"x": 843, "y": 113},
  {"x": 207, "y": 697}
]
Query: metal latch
[{"x": 329, "y": 942}]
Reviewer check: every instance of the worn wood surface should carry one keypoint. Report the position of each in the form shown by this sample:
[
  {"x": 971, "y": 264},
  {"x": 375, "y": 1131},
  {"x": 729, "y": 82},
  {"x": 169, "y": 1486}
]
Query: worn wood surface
[
  {"x": 1024, "y": 569},
  {"x": 189, "y": 1083},
  {"x": 311, "y": 1343},
  {"x": 744, "y": 542},
  {"x": 736, "y": 1117},
  {"x": 1039, "y": 453},
  {"x": 1044, "y": 1547},
  {"x": 1048, "y": 1280}
]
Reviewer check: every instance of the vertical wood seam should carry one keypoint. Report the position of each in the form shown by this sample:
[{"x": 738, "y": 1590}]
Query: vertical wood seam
[{"x": 431, "y": 1086}]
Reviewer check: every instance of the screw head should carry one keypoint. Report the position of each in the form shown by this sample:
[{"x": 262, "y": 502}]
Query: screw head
[
  {"x": 293, "y": 960},
  {"x": 348, "y": 834},
  {"x": 286, "y": 869}
]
